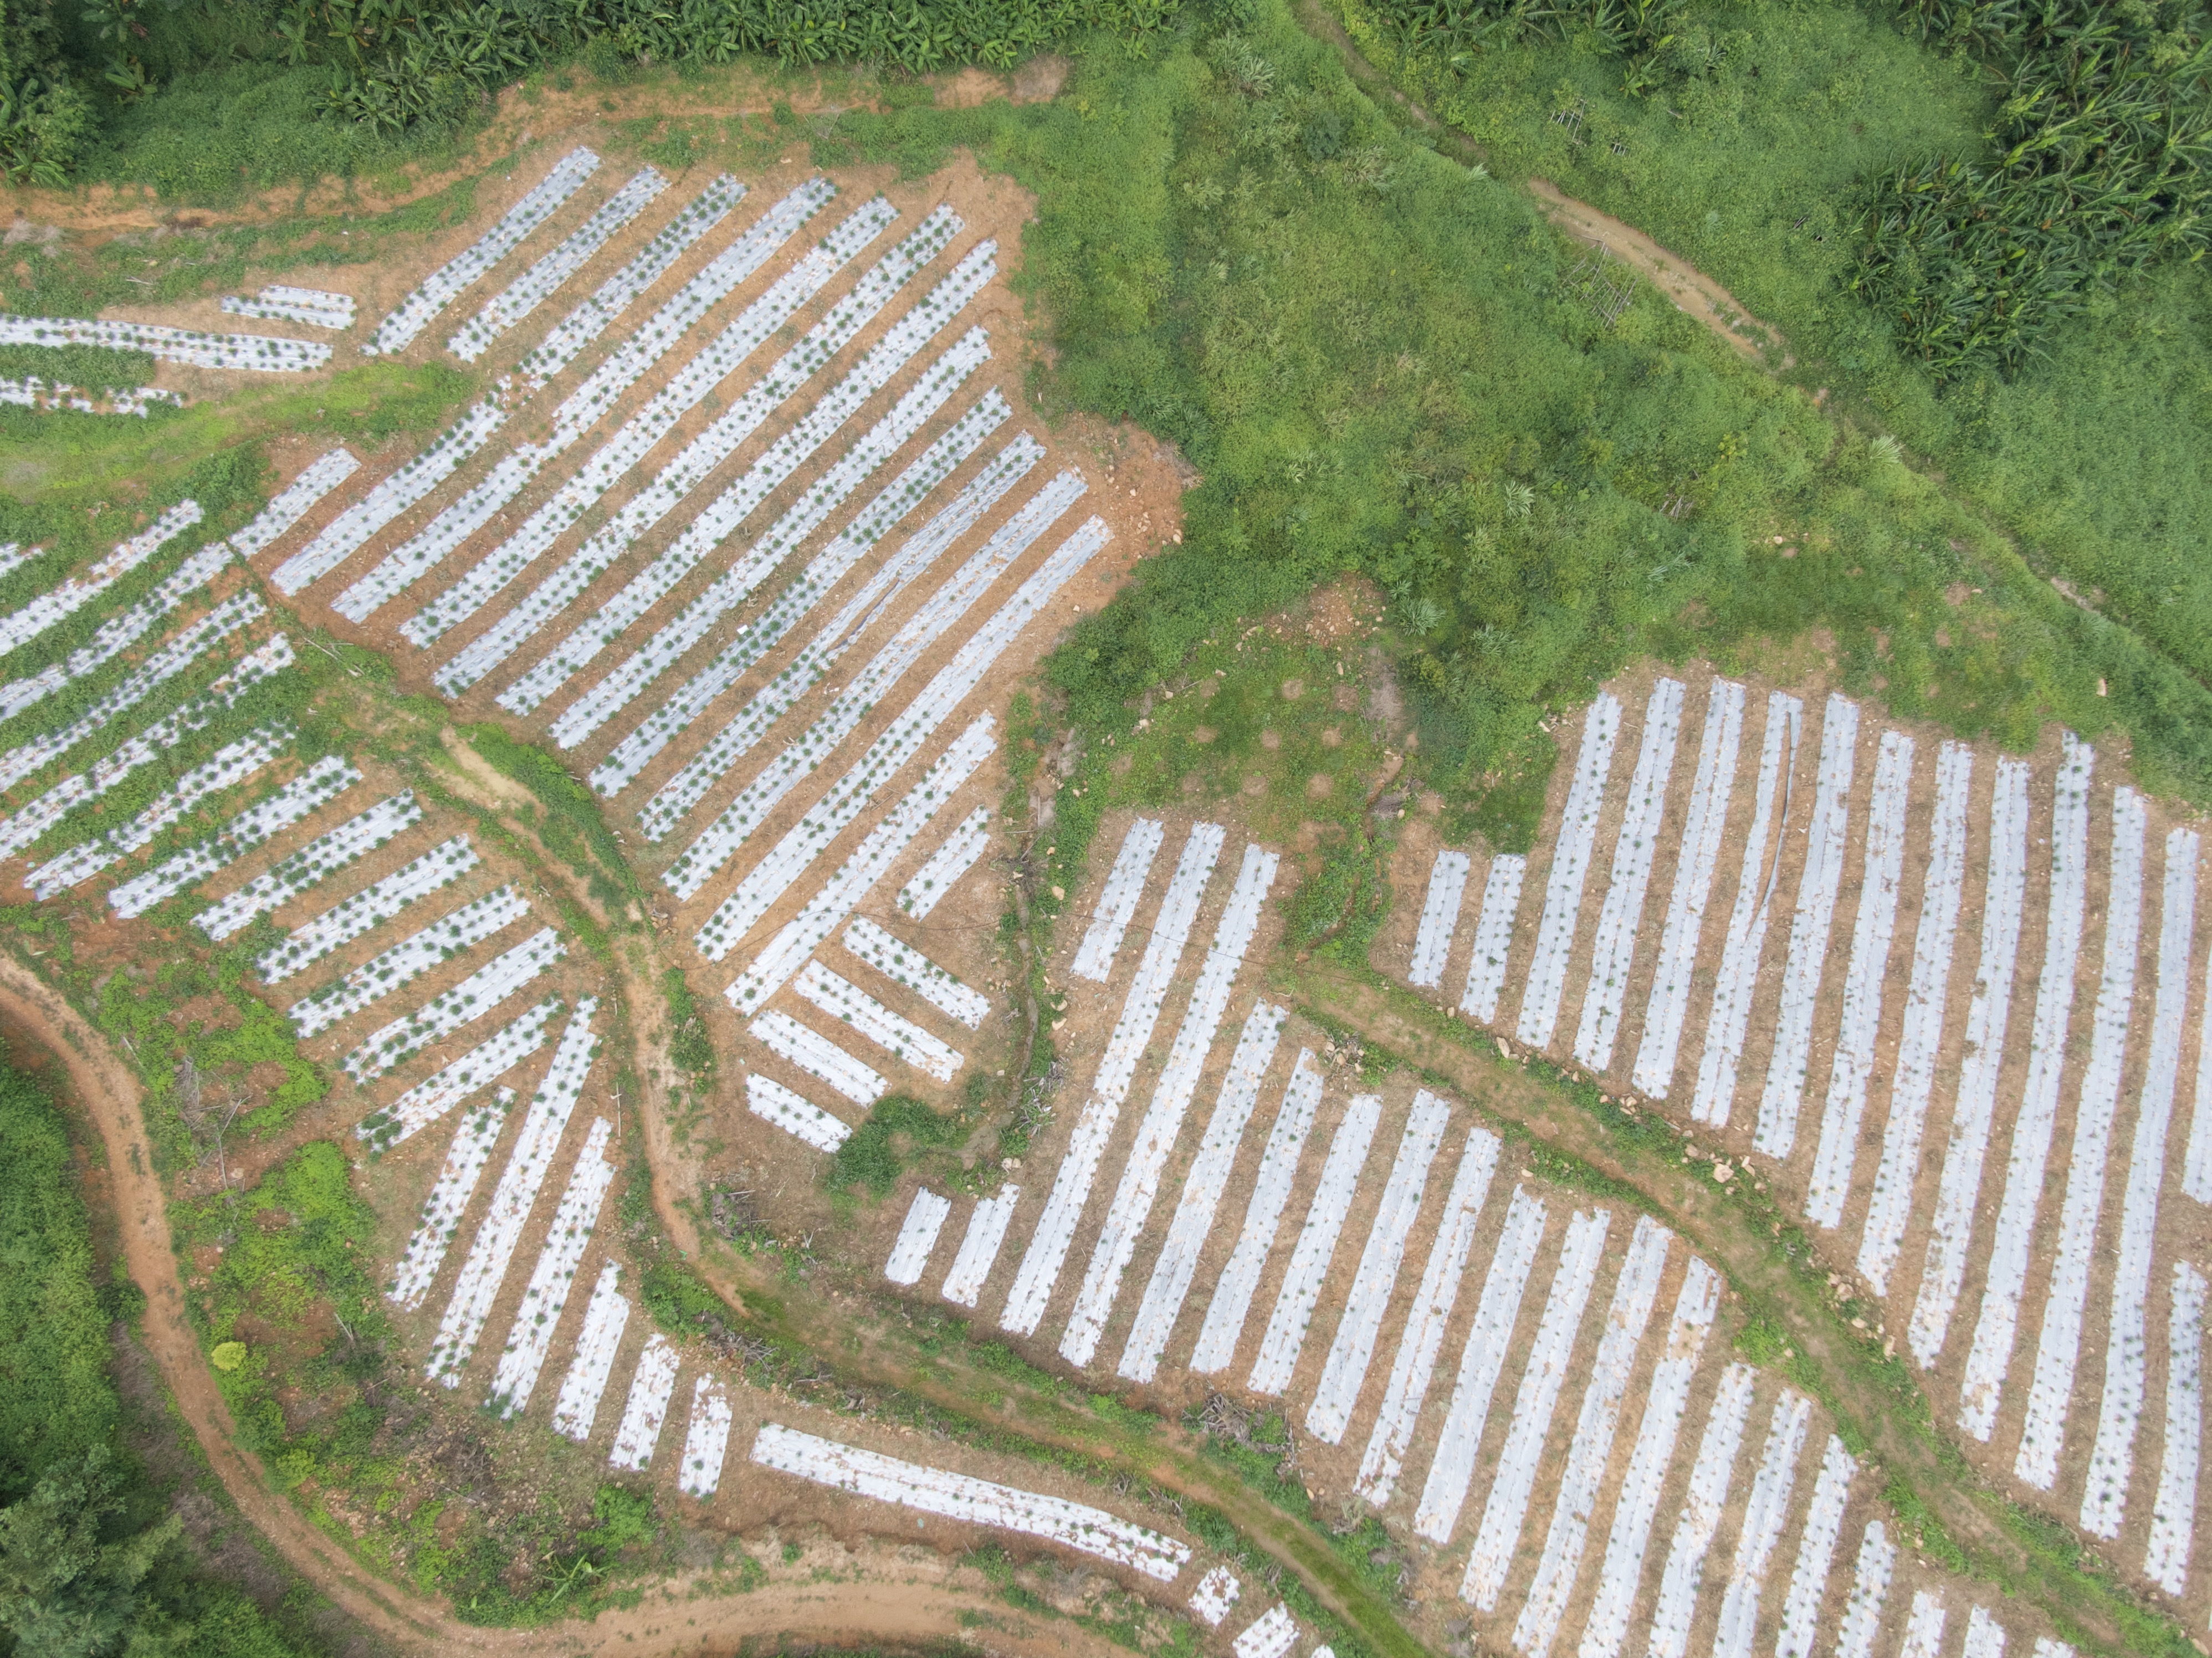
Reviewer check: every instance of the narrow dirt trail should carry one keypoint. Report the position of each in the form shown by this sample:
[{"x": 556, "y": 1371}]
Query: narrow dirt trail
[
  {"x": 1695, "y": 294},
  {"x": 849, "y": 1612}
]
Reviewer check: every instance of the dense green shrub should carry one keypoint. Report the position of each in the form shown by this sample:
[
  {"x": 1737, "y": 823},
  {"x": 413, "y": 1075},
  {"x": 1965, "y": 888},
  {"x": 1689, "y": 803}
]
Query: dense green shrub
[{"x": 56, "y": 1402}]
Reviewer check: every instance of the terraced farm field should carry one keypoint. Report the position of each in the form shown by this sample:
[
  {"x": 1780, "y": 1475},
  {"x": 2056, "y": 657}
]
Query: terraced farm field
[
  {"x": 675, "y": 1074},
  {"x": 1948, "y": 1002}
]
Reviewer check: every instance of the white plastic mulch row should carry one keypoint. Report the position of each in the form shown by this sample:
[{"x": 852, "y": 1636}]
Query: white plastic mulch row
[
  {"x": 2012, "y": 1248},
  {"x": 629, "y": 362},
  {"x": 628, "y": 759},
  {"x": 778, "y": 871},
  {"x": 300, "y": 798},
  {"x": 689, "y": 469},
  {"x": 606, "y": 1315},
  {"x": 901, "y": 343},
  {"x": 1192, "y": 1223},
  {"x": 1924, "y": 1629},
  {"x": 1132, "y": 1033},
  {"x": 1729, "y": 1019},
  {"x": 2111, "y": 1459},
  {"x": 75, "y": 592},
  {"x": 539, "y": 284},
  {"x": 898, "y": 1036},
  {"x": 263, "y": 352},
  {"x": 294, "y": 501},
  {"x": 1274, "y": 1634},
  {"x": 1481, "y": 1362},
  {"x": 442, "y": 286},
  {"x": 1818, "y": 884},
  {"x": 1263, "y": 1216},
  {"x": 27, "y": 825},
  {"x": 1117, "y": 900},
  {"x": 1766, "y": 1514},
  {"x": 476, "y": 506},
  {"x": 370, "y": 908},
  {"x": 448, "y": 1201},
  {"x": 698, "y": 617},
  {"x": 2197, "y": 1162},
  {"x": 904, "y": 964},
  {"x": 1591, "y": 1448},
  {"x": 311, "y": 865},
  {"x": 474, "y": 996},
  {"x": 1605, "y": 1631},
  {"x": 818, "y": 1057},
  {"x": 1974, "y": 1105},
  {"x": 1889, "y": 1207},
  {"x": 278, "y": 302},
  {"x": 960, "y": 1496},
  {"x": 1985, "y": 1637},
  {"x": 980, "y": 1245},
  {"x": 351, "y": 530},
  {"x": 32, "y": 392},
  {"x": 1215, "y": 1596},
  {"x": 431, "y": 1099},
  {"x": 1562, "y": 888},
  {"x": 1344, "y": 1372},
  {"x": 737, "y": 821},
  {"x": 813, "y": 661},
  {"x": 1836, "y": 1157},
  {"x": 1439, "y": 919},
  {"x": 1493, "y": 936},
  {"x": 565, "y": 341},
  {"x": 407, "y": 961},
  {"x": 955, "y": 856},
  {"x": 650, "y": 1386},
  {"x": 1862, "y": 1620},
  {"x": 678, "y": 476},
  {"x": 1613, "y": 953},
  {"x": 843, "y": 892},
  {"x": 119, "y": 632},
  {"x": 1162, "y": 1127},
  {"x": 705, "y": 1440},
  {"x": 1497, "y": 1540},
  {"x": 1700, "y": 1518},
  {"x": 1423, "y": 1337},
  {"x": 558, "y": 1260},
  {"x": 772, "y": 1102},
  {"x": 2173, "y": 1511},
  {"x": 229, "y": 767},
  {"x": 1703, "y": 832},
  {"x": 925, "y": 1219},
  {"x": 1285, "y": 1334},
  {"x": 2058, "y": 1350},
  {"x": 190, "y": 644},
  {"x": 1816, "y": 1553},
  {"x": 476, "y": 1288},
  {"x": 669, "y": 644}
]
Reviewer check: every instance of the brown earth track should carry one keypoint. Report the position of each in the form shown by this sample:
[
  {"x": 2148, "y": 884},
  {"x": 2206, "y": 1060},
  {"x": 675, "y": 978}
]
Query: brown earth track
[{"x": 898, "y": 1612}]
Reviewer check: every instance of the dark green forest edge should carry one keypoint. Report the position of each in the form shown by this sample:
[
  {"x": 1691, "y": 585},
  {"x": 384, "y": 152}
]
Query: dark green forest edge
[
  {"x": 1377, "y": 360},
  {"x": 92, "y": 1558}
]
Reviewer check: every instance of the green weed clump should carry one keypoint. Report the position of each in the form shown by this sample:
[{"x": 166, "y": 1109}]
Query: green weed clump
[{"x": 899, "y": 1129}]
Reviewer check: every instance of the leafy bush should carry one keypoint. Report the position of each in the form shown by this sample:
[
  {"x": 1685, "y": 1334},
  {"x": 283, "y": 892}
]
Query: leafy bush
[{"x": 897, "y": 1129}]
